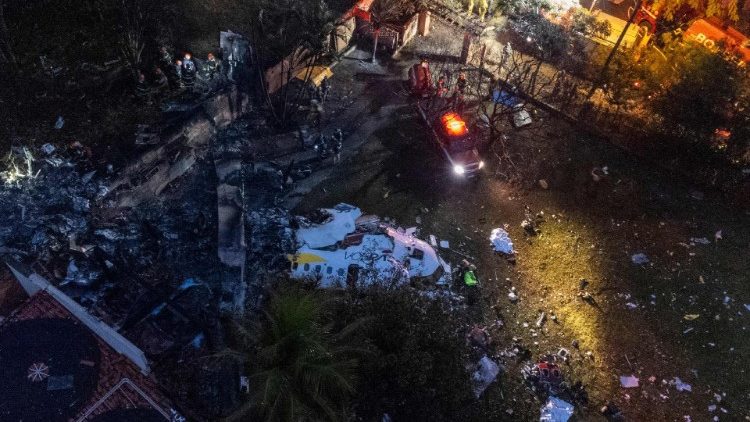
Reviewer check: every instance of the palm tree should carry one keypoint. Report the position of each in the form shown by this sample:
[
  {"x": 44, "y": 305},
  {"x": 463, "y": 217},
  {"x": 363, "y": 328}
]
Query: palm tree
[{"x": 303, "y": 369}]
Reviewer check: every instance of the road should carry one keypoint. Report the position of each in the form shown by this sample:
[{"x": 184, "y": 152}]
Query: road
[{"x": 611, "y": 8}]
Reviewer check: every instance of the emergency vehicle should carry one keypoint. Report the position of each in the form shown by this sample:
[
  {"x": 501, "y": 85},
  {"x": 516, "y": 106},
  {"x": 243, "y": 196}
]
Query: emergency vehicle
[{"x": 450, "y": 134}]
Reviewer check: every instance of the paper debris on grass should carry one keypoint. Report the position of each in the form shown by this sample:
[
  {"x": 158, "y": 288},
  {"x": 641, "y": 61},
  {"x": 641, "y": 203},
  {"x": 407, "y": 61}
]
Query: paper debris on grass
[
  {"x": 639, "y": 259},
  {"x": 630, "y": 381},
  {"x": 444, "y": 244},
  {"x": 484, "y": 375},
  {"x": 690, "y": 317},
  {"x": 501, "y": 241},
  {"x": 556, "y": 410},
  {"x": 680, "y": 385}
]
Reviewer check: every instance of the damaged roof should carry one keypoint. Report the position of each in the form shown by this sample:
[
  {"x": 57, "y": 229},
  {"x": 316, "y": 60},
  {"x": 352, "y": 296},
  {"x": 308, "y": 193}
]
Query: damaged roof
[{"x": 58, "y": 369}]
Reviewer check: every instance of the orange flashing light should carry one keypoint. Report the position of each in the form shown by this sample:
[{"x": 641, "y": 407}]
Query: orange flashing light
[{"x": 453, "y": 124}]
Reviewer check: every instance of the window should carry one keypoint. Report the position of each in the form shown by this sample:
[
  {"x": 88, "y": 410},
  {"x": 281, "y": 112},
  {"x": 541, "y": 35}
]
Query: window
[
  {"x": 340, "y": 272},
  {"x": 295, "y": 265},
  {"x": 307, "y": 267},
  {"x": 317, "y": 268},
  {"x": 329, "y": 270}
]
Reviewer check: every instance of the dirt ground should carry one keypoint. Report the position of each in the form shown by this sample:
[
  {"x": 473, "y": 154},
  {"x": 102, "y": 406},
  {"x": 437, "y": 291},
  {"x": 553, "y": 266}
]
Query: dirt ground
[{"x": 683, "y": 314}]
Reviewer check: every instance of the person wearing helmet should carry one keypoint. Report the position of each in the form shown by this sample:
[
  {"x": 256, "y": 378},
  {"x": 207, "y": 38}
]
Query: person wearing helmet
[
  {"x": 210, "y": 67},
  {"x": 188, "y": 70}
]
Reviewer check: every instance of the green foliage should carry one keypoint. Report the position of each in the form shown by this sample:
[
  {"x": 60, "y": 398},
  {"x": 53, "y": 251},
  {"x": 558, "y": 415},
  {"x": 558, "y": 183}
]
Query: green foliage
[
  {"x": 393, "y": 10},
  {"x": 418, "y": 372},
  {"x": 302, "y": 365},
  {"x": 519, "y": 7},
  {"x": 722, "y": 8},
  {"x": 700, "y": 86},
  {"x": 583, "y": 22}
]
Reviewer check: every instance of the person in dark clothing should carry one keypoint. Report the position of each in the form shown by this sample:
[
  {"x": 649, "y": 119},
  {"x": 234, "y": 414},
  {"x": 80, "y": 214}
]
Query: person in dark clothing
[
  {"x": 178, "y": 73},
  {"x": 161, "y": 84},
  {"x": 461, "y": 83},
  {"x": 338, "y": 143},
  {"x": 325, "y": 88},
  {"x": 188, "y": 70},
  {"x": 210, "y": 67},
  {"x": 441, "y": 88},
  {"x": 142, "y": 90}
]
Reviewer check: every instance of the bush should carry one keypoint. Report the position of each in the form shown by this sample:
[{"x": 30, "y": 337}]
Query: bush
[{"x": 417, "y": 372}]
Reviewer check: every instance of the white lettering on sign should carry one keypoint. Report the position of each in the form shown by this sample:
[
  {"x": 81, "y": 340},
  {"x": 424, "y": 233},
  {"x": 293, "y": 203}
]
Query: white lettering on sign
[{"x": 705, "y": 41}]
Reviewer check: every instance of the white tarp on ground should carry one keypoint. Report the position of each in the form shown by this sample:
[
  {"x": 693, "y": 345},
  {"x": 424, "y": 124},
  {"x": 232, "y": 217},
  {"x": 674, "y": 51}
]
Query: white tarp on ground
[
  {"x": 629, "y": 381},
  {"x": 501, "y": 241},
  {"x": 342, "y": 222},
  {"x": 484, "y": 375},
  {"x": 556, "y": 410}
]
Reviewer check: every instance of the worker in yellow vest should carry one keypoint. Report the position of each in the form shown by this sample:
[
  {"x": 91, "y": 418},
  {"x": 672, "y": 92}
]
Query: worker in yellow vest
[{"x": 482, "y": 9}]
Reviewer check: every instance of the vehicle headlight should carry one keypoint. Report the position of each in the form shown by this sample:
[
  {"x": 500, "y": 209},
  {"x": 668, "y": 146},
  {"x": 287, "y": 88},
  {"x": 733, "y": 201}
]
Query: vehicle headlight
[
  {"x": 459, "y": 169},
  {"x": 481, "y": 164}
]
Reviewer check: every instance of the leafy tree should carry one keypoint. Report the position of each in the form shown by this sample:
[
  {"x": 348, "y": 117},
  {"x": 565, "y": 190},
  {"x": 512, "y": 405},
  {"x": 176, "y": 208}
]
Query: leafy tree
[
  {"x": 296, "y": 32},
  {"x": 302, "y": 364},
  {"x": 699, "y": 89},
  {"x": 133, "y": 24},
  {"x": 418, "y": 371},
  {"x": 722, "y": 8}
]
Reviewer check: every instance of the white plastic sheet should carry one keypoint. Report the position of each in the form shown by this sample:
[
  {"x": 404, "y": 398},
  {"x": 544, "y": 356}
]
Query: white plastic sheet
[
  {"x": 629, "y": 381},
  {"x": 484, "y": 375},
  {"x": 501, "y": 241}
]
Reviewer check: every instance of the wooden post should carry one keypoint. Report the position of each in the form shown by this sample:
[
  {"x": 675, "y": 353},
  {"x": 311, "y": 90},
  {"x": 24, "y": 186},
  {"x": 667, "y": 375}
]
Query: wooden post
[
  {"x": 466, "y": 48},
  {"x": 423, "y": 27}
]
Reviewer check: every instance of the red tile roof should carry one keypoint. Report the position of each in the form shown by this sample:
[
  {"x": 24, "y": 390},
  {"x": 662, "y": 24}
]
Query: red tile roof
[{"x": 121, "y": 383}]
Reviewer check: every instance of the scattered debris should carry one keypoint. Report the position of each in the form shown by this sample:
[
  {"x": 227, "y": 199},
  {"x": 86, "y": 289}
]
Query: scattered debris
[
  {"x": 700, "y": 240},
  {"x": 718, "y": 235},
  {"x": 639, "y": 259},
  {"x": 680, "y": 385},
  {"x": 59, "y": 123},
  {"x": 691, "y": 317},
  {"x": 540, "y": 320},
  {"x": 501, "y": 241},
  {"x": 338, "y": 245},
  {"x": 512, "y": 295},
  {"x": 630, "y": 381},
  {"x": 543, "y": 183},
  {"x": 556, "y": 410},
  {"x": 48, "y": 149},
  {"x": 485, "y": 373},
  {"x": 445, "y": 244}
]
